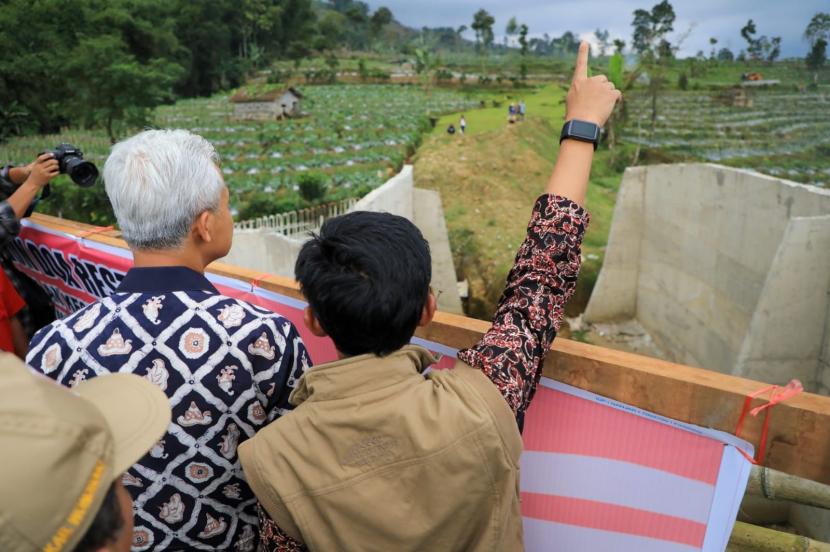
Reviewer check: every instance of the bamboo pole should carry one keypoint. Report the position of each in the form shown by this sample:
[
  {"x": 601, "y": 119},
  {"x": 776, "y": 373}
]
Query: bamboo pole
[
  {"x": 746, "y": 536},
  {"x": 777, "y": 485}
]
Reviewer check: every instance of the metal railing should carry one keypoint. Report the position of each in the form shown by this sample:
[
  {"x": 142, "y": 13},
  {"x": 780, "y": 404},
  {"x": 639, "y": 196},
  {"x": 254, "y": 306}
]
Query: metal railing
[{"x": 296, "y": 223}]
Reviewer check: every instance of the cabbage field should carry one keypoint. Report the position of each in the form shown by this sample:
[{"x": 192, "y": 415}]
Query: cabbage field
[
  {"x": 351, "y": 138},
  {"x": 783, "y": 134}
]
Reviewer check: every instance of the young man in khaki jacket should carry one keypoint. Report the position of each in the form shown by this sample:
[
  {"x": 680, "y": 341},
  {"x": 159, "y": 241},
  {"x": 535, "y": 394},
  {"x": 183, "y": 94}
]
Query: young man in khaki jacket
[{"x": 378, "y": 456}]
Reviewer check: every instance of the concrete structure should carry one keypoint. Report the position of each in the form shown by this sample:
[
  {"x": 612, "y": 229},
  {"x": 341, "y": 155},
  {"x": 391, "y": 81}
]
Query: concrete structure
[
  {"x": 265, "y": 106},
  {"x": 428, "y": 216},
  {"x": 275, "y": 253},
  {"x": 264, "y": 251},
  {"x": 395, "y": 196},
  {"x": 727, "y": 269},
  {"x": 824, "y": 360}
]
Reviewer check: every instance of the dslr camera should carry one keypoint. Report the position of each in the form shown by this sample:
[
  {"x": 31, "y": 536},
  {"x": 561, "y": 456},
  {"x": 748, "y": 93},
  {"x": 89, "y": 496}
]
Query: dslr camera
[{"x": 71, "y": 162}]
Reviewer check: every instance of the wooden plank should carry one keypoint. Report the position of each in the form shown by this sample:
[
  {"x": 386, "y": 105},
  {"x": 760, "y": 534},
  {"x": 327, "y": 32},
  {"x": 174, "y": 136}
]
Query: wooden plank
[
  {"x": 277, "y": 284},
  {"x": 799, "y": 435}
]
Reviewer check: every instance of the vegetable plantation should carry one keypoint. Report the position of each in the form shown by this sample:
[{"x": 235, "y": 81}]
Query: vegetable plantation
[
  {"x": 783, "y": 134},
  {"x": 349, "y": 140}
]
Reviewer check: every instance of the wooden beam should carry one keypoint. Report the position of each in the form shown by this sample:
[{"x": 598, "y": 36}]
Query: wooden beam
[{"x": 799, "y": 435}]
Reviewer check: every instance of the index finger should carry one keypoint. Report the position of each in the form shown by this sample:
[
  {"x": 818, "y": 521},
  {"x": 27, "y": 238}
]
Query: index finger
[
  {"x": 581, "y": 69},
  {"x": 45, "y": 156}
]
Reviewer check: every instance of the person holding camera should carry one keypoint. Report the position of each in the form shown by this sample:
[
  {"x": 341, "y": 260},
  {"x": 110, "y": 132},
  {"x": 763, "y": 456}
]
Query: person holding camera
[
  {"x": 23, "y": 306},
  {"x": 20, "y": 186}
]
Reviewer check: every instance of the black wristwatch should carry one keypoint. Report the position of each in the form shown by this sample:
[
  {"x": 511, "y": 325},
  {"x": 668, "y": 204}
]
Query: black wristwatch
[{"x": 580, "y": 130}]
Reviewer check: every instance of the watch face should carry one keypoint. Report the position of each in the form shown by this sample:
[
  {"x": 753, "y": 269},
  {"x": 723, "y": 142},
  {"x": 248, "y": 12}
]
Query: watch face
[{"x": 583, "y": 129}]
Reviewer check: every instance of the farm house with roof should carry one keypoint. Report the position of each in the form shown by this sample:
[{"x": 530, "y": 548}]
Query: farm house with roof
[{"x": 266, "y": 105}]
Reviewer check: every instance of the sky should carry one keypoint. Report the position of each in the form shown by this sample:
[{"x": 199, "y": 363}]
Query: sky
[{"x": 721, "y": 19}]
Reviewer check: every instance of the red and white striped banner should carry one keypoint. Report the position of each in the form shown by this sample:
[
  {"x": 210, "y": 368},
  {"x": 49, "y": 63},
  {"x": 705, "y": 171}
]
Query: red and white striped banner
[{"x": 602, "y": 475}]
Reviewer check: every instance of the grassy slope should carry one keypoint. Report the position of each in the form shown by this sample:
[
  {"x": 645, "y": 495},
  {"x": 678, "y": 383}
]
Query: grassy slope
[{"x": 488, "y": 181}]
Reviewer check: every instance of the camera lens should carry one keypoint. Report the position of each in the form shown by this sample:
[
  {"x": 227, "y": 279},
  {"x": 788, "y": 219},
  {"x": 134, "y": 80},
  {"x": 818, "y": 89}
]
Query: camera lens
[{"x": 83, "y": 173}]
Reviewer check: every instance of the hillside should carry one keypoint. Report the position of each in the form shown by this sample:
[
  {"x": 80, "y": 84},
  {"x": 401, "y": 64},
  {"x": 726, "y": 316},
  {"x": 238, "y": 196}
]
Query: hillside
[{"x": 488, "y": 181}]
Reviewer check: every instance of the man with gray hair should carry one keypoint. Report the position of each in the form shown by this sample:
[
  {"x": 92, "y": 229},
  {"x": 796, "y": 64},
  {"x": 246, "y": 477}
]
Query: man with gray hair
[{"x": 228, "y": 367}]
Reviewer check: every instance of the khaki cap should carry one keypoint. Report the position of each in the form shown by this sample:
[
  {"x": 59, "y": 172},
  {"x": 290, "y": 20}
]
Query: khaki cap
[{"x": 61, "y": 450}]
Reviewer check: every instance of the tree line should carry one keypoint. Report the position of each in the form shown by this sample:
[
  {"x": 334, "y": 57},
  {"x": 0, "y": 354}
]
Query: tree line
[{"x": 109, "y": 62}]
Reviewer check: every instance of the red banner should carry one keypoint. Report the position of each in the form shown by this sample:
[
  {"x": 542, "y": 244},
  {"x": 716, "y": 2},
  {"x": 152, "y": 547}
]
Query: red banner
[{"x": 75, "y": 272}]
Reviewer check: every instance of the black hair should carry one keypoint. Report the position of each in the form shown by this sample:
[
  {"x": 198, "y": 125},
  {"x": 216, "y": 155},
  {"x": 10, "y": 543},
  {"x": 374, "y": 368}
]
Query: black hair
[
  {"x": 106, "y": 525},
  {"x": 366, "y": 277}
]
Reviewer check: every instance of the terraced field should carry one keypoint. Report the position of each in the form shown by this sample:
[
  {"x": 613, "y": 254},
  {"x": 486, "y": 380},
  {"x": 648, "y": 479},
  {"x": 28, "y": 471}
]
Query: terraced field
[
  {"x": 354, "y": 136},
  {"x": 783, "y": 134}
]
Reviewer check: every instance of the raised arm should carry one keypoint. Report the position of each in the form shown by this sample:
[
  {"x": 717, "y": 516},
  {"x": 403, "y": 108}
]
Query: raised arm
[
  {"x": 544, "y": 275},
  {"x": 590, "y": 99}
]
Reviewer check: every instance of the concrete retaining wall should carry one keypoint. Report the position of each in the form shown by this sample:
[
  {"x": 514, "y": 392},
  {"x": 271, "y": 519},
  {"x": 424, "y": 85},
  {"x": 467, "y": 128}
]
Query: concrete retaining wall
[
  {"x": 727, "y": 269},
  {"x": 824, "y": 360},
  {"x": 275, "y": 253},
  {"x": 266, "y": 251},
  {"x": 395, "y": 196},
  {"x": 428, "y": 215}
]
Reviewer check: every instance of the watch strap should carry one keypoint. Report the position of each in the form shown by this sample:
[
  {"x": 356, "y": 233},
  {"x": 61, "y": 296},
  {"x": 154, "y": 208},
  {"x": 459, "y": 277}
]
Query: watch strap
[{"x": 569, "y": 132}]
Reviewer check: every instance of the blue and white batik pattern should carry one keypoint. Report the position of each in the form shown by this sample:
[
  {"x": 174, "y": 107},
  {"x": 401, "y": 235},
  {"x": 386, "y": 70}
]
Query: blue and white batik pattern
[{"x": 228, "y": 368}]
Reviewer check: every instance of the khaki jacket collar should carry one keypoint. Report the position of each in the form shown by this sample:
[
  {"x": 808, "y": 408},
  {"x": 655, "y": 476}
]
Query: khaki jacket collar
[{"x": 361, "y": 374}]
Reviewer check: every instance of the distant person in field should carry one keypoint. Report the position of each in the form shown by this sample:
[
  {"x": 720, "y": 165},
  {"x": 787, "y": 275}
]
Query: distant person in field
[
  {"x": 379, "y": 456},
  {"x": 522, "y": 110},
  {"x": 451, "y": 129},
  {"x": 463, "y": 125},
  {"x": 511, "y": 113},
  {"x": 64, "y": 454},
  {"x": 228, "y": 367}
]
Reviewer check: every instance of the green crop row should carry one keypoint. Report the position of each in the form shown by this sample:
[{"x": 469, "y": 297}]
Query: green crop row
[
  {"x": 782, "y": 134},
  {"x": 353, "y": 137}
]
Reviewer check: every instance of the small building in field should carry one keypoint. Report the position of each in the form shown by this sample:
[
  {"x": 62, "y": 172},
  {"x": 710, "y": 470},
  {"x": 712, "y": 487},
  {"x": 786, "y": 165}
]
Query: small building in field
[
  {"x": 740, "y": 98},
  {"x": 734, "y": 97},
  {"x": 266, "y": 105}
]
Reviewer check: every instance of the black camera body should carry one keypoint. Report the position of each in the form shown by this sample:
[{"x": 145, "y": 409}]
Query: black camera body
[{"x": 71, "y": 162}]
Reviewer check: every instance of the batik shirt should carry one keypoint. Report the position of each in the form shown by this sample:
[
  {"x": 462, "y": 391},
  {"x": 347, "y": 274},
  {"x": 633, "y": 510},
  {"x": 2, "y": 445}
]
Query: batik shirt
[
  {"x": 527, "y": 318},
  {"x": 228, "y": 368}
]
